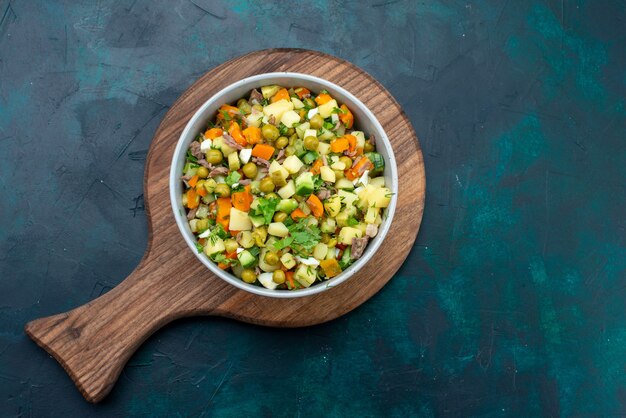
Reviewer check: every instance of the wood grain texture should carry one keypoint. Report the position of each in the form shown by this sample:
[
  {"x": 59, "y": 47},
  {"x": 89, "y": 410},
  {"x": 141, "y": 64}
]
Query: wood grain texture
[{"x": 93, "y": 342}]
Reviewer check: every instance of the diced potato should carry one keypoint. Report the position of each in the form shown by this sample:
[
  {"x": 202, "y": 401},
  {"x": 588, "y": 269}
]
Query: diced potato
[
  {"x": 377, "y": 182},
  {"x": 288, "y": 260},
  {"x": 193, "y": 225},
  {"x": 239, "y": 220},
  {"x": 326, "y": 109},
  {"x": 292, "y": 164},
  {"x": 347, "y": 198},
  {"x": 305, "y": 275},
  {"x": 277, "y": 109},
  {"x": 347, "y": 233},
  {"x": 332, "y": 205},
  {"x": 327, "y": 174},
  {"x": 278, "y": 173},
  {"x": 344, "y": 184},
  {"x": 338, "y": 165},
  {"x": 287, "y": 190},
  {"x": 297, "y": 103},
  {"x": 246, "y": 240},
  {"x": 233, "y": 161},
  {"x": 379, "y": 197},
  {"x": 301, "y": 129},
  {"x": 290, "y": 118},
  {"x": 278, "y": 229},
  {"x": 269, "y": 91},
  {"x": 370, "y": 215},
  {"x": 342, "y": 218},
  {"x": 360, "y": 138},
  {"x": 328, "y": 225},
  {"x": 323, "y": 148},
  {"x": 320, "y": 251},
  {"x": 310, "y": 132},
  {"x": 214, "y": 246}
]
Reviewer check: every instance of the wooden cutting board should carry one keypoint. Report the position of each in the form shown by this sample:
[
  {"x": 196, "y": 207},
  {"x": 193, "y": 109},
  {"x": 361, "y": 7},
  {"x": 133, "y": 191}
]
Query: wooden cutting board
[{"x": 93, "y": 342}]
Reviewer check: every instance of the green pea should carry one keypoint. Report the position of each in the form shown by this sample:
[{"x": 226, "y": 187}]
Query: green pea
[
  {"x": 250, "y": 170},
  {"x": 280, "y": 217},
  {"x": 270, "y": 132},
  {"x": 278, "y": 276},
  {"x": 202, "y": 172},
  {"x": 281, "y": 142},
  {"x": 214, "y": 156},
  {"x": 267, "y": 185},
  {"x": 311, "y": 143},
  {"x": 222, "y": 190},
  {"x": 248, "y": 276},
  {"x": 231, "y": 245},
  {"x": 368, "y": 147},
  {"x": 316, "y": 121},
  {"x": 271, "y": 258}
]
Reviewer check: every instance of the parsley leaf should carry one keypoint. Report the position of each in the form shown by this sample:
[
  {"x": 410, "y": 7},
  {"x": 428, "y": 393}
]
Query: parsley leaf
[
  {"x": 225, "y": 114},
  {"x": 190, "y": 157},
  {"x": 329, "y": 125},
  {"x": 352, "y": 221},
  {"x": 232, "y": 178},
  {"x": 265, "y": 102},
  {"x": 305, "y": 236},
  {"x": 199, "y": 247},
  {"x": 317, "y": 183},
  {"x": 266, "y": 208},
  {"x": 283, "y": 243}
]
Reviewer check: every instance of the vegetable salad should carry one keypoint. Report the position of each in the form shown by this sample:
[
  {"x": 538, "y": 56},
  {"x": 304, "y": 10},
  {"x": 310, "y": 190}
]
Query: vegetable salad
[{"x": 281, "y": 190}]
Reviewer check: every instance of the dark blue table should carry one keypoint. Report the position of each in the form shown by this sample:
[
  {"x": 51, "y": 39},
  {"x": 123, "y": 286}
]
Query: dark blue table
[{"x": 512, "y": 300}]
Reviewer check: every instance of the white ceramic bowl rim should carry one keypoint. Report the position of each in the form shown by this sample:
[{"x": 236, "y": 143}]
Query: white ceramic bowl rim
[{"x": 189, "y": 134}]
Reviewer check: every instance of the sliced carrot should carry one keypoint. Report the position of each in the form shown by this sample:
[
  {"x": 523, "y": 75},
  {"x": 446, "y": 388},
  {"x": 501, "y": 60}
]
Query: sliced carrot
[
  {"x": 252, "y": 134},
  {"x": 340, "y": 144},
  {"x": 192, "y": 181},
  {"x": 331, "y": 267},
  {"x": 351, "y": 142},
  {"x": 232, "y": 255},
  {"x": 263, "y": 151},
  {"x": 323, "y": 98},
  {"x": 282, "y": 94},
  {"x": 346, "y": 117},
  {"x": 302, "y": 92},
  {"x": 223, "y": 212},
  {"x": 201, "y": 191},
  {"x": 193, "y": 200},
  {"x": 315, "y": 168},
  {"x": 242, "y": 200},
  {"x": 316, "y": 206},
  {"x": 289, "y": 278},
  {"x": 298, "y": 213},
  {"x": 235, "y": 131},
  {"x": 232, "y": 111},
  {"x": 223, "y": 266},
  {"x": 213, "y": 133}
]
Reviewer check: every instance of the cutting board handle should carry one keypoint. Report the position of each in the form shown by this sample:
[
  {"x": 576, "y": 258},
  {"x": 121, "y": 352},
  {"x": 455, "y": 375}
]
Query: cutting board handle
[{"x": 94, "y": 341}]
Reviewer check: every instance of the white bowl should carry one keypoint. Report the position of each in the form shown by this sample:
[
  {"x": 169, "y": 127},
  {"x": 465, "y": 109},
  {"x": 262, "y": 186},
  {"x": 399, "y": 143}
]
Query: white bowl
[{"x": 364, "y": 120}]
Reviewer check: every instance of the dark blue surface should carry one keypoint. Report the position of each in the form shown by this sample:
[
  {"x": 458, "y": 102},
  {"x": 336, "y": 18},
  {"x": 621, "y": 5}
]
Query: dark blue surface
[{"x": 512, "y": 300}]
